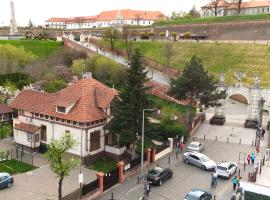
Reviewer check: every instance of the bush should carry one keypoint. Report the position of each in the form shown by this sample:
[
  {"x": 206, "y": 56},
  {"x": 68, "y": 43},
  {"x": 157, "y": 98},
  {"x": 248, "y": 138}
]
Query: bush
[
  {"x": 54, "y": 86},
  {"x": 171, "y": 129},
  {"x": 151, "y": 34},
  {"x": 162, "y": 34},
  {"x": 144, "y": 36},
  {"x": 187, "y": 35},
  {"x": 18, "y": 79}
]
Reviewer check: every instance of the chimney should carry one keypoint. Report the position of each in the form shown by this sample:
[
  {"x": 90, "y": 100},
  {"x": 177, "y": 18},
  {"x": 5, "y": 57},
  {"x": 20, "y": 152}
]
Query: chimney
[
  {"x": 75, "y": 79},
  {"x": 87, "y": 75}
]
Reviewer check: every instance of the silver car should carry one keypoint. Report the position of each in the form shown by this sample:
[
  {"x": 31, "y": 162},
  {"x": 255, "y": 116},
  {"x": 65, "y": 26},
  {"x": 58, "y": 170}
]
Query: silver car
[
  {"x": 200, "y": 160},
  {"x": 195, "y": 146}
]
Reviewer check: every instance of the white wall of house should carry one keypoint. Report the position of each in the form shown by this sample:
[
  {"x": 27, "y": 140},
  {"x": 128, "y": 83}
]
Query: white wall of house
[
  {"x": 20, "y": 137},
  {"x": 56, "y": 130}
]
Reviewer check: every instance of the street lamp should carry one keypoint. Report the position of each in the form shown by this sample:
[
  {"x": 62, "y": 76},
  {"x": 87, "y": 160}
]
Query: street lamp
[{"x": 142, "y": 150}]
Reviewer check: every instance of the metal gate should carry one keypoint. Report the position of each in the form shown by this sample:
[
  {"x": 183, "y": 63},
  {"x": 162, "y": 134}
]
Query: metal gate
[{"x": 111, "y": 178}]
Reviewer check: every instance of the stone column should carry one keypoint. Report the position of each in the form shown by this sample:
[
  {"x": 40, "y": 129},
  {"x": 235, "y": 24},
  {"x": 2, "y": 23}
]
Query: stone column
[
  {"x": 100, "y": 177},
  {"x": 120, "y": 166},
  {"x": 148, "y": 155}
]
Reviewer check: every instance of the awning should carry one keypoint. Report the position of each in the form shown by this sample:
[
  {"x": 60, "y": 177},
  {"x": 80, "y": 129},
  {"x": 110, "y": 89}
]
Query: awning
[{"x": 29, "y": 128}]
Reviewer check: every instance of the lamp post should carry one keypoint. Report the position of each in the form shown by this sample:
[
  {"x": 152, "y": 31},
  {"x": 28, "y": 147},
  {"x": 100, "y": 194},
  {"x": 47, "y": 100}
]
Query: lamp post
[
  {"x": 260, "y": 109},
  {"x": 142, "y": 150}
]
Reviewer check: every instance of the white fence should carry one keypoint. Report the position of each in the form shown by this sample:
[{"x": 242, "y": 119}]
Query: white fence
[
  {"x": 165, "y": 151},
  {"x": 114, "y": 150}
]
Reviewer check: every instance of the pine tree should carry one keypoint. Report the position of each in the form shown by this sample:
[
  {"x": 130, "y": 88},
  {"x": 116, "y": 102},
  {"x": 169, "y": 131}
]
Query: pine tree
[{"x": 133, "y": 99}]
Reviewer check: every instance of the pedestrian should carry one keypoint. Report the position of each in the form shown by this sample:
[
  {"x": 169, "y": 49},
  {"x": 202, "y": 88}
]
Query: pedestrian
[
  {"x": 177, "y": 149},
  {"x": 147, "y": 188},
  {"x": 215, "y": 178},
  {"x": 248, "y": 159},
  {"x": 235, "y": 182},
  {"x": 182, "y": 145},
  {"x": 263, "y": 132},
  {"x": 212, "y": 181},
  {"x": 252, "y": 158}
]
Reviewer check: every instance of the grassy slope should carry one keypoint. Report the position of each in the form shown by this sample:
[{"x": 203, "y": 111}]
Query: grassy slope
[
  {"x": 228, "y": 58},
  {"x": 38, "y": 47},
  {"x": 214, "y": 19},
  {"x": 8, "y": 165}
]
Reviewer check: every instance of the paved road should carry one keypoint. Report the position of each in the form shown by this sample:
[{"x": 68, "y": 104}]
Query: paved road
[
  {"x": 153, "y": 74},
  {"x": 41, "y": 184},
  {"x": 187, "y": 177}
]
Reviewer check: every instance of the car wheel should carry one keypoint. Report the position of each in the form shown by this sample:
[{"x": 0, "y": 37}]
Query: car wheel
[
  {"x": 187, "y": 161},
  {"x": 203, "y": 167},
  {"x": 9, "y": 185},
  {"x": 160, "y": 182}
]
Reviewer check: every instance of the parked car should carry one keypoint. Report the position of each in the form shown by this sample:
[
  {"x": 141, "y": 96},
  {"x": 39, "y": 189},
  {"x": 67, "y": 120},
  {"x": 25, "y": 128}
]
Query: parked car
[
  {"x": 159, "y": 175},
  {"x": 6, "y": 180},
  {"x": 226, "y": 169},
  {"x": 200, "y": 160},
  {"x": 195, "y": 146},
  {"x": 198, "y": 194}
]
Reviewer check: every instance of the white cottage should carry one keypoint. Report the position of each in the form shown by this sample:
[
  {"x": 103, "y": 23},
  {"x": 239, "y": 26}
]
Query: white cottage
[{"x": 82, "y": 109}]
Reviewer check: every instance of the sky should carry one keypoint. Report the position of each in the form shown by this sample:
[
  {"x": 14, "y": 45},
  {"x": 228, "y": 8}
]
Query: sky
[{"x": 40, "y": 10}]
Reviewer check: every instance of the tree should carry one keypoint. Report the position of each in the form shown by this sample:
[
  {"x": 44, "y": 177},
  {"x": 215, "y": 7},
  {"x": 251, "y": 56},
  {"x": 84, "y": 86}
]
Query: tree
[
  {"x": 54, "y": 86},
  {"x": 197, "y": 86},
  {"x": 59, "y": 164},
  {"x": 78, "y": 67},
  {"x": 168, "y": 53},
  {"x": 194, "y": 13},
  {"x": 112, "y": 35},
  {"x": 238, "y": 5},
  {"x": 216, "y": 6},
  {"x": 128, "y": 35},
  {"x": 133, "y": 99},
  {"x": 174, "y": 34},
  {"x": 30, "y": 24}
]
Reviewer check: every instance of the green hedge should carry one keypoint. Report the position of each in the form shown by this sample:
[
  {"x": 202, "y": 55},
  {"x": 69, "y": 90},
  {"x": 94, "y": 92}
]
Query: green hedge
[{"x": 255, "y": 196}]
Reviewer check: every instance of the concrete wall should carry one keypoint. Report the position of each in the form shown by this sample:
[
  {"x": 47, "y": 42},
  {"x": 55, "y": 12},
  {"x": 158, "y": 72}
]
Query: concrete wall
[{"x": 258, "y": 30}]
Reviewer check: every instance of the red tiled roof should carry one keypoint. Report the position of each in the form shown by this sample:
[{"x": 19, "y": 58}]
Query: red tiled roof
[
  {"x": 56, "y": 19},
  {"x": 27, "y": 127},
  {"x": 250, "y": 4},
  {"x": 84, "y": 19},
  {"x": 130, "y": 14},
  {"x": 5, "y": 109},
  {"x": 96, "y": 96}
]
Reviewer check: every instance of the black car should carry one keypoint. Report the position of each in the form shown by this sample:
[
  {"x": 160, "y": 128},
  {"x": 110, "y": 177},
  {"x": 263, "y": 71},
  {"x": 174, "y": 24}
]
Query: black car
[{"x": 159, "y": 175}]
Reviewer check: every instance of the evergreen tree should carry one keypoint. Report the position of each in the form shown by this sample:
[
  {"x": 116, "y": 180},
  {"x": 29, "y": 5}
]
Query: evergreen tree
[
  {"x": 196, "y": 85},
  {"x": 127, "y": 119}
]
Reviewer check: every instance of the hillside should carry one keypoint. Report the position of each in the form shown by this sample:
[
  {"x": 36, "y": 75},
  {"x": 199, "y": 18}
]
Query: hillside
[
  {"x": 217, "y": 57},
  {"x": 222, "y": 19},
  {"x": 40, "y": 48}
]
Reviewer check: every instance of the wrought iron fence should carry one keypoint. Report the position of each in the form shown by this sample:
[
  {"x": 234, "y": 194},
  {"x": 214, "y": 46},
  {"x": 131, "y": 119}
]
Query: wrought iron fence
[
  {"x": 134, "y": 163},
  {"x": 111, "y": 178},
  {"x": 90, "y": 187}
]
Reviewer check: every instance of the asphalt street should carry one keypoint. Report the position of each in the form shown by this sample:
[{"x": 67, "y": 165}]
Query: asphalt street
[{"x": 187, "y": 177}]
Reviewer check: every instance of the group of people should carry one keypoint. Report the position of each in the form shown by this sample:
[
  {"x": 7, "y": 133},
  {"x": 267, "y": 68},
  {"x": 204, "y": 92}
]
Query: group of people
[{"x": 251, "y": 158}]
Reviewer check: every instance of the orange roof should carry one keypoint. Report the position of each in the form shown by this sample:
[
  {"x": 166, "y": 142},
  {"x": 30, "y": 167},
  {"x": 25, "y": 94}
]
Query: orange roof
[
  {"x": 93, "y": 100},
  {"x": 81, "y": 19},
  {"x": 27, "y": 127},
  {"x": 250, "y": 4},
  {"x": 56, "y": 19},
  {"x": 130, "y": 14}
]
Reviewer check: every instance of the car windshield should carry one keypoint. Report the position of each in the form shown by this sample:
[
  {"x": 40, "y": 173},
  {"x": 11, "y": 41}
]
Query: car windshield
[
  {"x": 204, "y": 158},
  {"x": 154, "y": 172},
  {"x": 221, "y": 168},
  {"x": 191, "y": 197},
  {"x": 193, "y": 145}
]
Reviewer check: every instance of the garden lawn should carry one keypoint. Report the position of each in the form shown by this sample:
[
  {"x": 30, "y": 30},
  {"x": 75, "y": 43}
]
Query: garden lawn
[
  {"x": 5, "y": 130},
  {"x": 103, "y": 164},
  {"x": 40, "y": 48},
  {"x": 213, "y": 19},
  {"x": 217, "y": 58},
  {"x": 15, "y": 166}
]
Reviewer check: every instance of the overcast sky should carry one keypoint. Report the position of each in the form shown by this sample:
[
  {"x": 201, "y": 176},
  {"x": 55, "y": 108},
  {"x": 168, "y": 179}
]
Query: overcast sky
[{"x": 40, "y": 10}]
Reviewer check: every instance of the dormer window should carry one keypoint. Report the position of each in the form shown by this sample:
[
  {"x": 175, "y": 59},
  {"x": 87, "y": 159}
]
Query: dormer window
[{"x": 61, "y": 109}]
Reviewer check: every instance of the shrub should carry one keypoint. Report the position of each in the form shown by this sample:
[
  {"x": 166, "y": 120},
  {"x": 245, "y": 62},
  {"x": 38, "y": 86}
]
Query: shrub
[
  {"x": 54, "y": 86},
  {"x": 162, "y": 34},
  {"x": 187, "y": 35},
  {"x": 151, "y": 34},
  {"x": 144, "y": 35},
  {"x": 174, "y": 34}
]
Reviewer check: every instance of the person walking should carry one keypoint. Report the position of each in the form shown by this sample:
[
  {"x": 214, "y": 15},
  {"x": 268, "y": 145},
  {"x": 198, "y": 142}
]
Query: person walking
[
  {"x": 248, "y": 159},
  {"x": 235, "y": 182},
  {"x": 212, "y": 181},
  {"x": 252, "y": 158},
  {"x": 215, "y": 178},
  {"x": 262, "y": 133},
  {"x": 182, "y": 145},
  {"x": 147, "y": 188}
]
